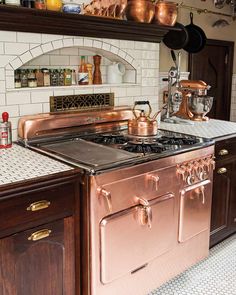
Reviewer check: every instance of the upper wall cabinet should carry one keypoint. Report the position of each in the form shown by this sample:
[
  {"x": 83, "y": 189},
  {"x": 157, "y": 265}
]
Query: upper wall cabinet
[{"x": 50, "y": 22}]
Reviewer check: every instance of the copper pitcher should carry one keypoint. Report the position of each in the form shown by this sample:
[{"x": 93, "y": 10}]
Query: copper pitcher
[{"x": 143, "y": 125}]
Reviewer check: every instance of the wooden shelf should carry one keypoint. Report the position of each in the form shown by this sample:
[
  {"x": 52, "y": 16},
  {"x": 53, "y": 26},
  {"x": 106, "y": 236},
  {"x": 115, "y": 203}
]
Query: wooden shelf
[{"x": 49, "y": 22}]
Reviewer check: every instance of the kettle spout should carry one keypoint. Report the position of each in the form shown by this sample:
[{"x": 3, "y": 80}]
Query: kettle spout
[{"x": 157, "y": 113}]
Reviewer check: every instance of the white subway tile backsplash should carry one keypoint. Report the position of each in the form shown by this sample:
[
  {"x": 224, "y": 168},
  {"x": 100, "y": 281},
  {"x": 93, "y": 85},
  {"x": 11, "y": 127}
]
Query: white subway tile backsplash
[
  {"x": 2, "y": 99},
  {"x": 1, "y": 48},
  {"x": 119, "y": 91},
  {"x": 30, "y": 109},
  {"x": 46, "y": 107},
  {"x": 17, "y": 98},
  {"x": 106, "y": 46},
  {"x": 12, "y": 110},
  {"x": 68, "y": 42},
  {"x": 47, "y": 47},
  {"x": 74, "y": 60},
  {"x": 78, "y": 41},
  {"x": 69, "y": 51},
  {"x": 5, "y": 59},
  {"x": 114, "y": 49},
  {"x": 41, "y": 96},
  {"x": 6, "y": 36},
  {"x": 57, "y": 60},
  {"x": 97, "y": 44},
  {"x": 2, "y": 74},
  {"x": 58, "y": 92},
  {"x": 57, "y": 44},
  {"x": 133, "y": 91},
  {"x": 10, "y": 82},
  {"x": 2, "y": 86},
  {"x": 36, "y": 51},
  {"x": 88, "y": 42},
  {"x": 27, "y": 56},
  {"x": 28, "y": 37},
  {"x": 49, "y": 37},
  {"x": 16, "y": 63},
  {"x": 84, "y": 90},
  {"x": 39, "y": 61},
  {"x": 16, "y": 48}
]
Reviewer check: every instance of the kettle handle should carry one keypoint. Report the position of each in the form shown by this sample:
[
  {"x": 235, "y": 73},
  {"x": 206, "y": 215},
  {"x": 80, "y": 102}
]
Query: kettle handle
[{"x": 142, "y": 102}]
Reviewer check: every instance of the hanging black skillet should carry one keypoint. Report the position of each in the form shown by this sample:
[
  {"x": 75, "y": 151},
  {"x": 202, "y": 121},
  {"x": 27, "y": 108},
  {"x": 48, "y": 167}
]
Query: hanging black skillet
[
  {"x": 176, "y": 39},
  {"x": 196, "y": 37}
]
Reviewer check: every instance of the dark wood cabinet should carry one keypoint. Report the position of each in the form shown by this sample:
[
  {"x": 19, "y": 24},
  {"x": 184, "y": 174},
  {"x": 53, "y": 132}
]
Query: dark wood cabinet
[
  {"x": 37, "y": 257},
  {"x": 223, "y": 218}
]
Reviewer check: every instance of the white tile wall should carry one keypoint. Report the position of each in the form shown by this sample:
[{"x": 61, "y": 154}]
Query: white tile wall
[
  {"x": 40, "y": 50},
  {"x": 233, "y": 100}
]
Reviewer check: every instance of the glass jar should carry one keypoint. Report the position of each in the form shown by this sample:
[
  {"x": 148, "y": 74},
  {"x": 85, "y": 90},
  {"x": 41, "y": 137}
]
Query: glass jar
[
  {"x": 46, "y": 77},
  {"x": 54, "y": 76},
  {"x": 54, "y": 5},
  {"x": 61, "y": 78},
  {"x": 67, "y": 77},
  {"x": 12, "y": 2},
  {"x": 17, "y": 83},
  {"x": 40, "y": 4},
  {"x": 39, "y": 77},
  {"x": 24, "y": 78}
]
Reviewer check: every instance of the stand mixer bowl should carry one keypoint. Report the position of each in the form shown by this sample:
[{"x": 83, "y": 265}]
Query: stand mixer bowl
[{"x": 199, "y": 106}]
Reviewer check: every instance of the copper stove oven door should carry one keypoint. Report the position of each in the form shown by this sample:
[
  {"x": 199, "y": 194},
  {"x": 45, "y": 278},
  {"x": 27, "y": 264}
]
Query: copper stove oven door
[
  {"x": 127, "y": 244},
  {"x": 195, "y": 208}
]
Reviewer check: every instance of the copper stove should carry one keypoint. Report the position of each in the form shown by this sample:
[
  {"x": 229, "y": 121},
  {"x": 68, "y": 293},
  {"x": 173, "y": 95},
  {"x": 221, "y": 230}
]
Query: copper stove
[{"x": 146, "y": 200}]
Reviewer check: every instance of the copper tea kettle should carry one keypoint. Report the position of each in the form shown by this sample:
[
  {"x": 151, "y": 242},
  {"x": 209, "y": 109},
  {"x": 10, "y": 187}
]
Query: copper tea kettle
[{"x": 143, "y": 125}]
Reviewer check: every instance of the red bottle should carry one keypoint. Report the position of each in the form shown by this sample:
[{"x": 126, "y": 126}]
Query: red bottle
[{"x": 5, "y": 132}]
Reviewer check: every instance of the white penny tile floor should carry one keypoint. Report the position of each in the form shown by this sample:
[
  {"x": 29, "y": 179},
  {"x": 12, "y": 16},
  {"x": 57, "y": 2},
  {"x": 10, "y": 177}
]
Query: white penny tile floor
[{"x": 216, "y": 275}]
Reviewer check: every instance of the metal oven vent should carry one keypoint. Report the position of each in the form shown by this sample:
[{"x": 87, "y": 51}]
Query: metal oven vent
[{"x": 81, "y": 102}]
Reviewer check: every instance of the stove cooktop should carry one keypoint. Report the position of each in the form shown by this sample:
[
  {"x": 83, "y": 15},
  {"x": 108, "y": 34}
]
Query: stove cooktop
[{"x": 101, "y": 151}]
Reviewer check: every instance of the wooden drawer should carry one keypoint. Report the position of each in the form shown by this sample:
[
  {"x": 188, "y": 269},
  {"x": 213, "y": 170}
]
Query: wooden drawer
[
  {"x": 36, "y": 206},
  {"x": 225, "y": 149}
]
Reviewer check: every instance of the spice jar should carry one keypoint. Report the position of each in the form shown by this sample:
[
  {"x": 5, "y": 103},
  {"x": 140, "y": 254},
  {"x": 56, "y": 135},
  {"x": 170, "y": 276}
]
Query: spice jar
[
  {"x": 17, "y": 83},
  {"x": 61, "y": 78},
  {"x": 67, "y": 77},
  {"x": 28, "y": 3},
  {"x": 24, "y": 78},
  {"x": 46, "y": 77},
  {"x": 32, "y": 81},
  {"x": 54, "y": 76},
  {"x": 39, "y": 78},
  {"x": 54, "y": 5}
]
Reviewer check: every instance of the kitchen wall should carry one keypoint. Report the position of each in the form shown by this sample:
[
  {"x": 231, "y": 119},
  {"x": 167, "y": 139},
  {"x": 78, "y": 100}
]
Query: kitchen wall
[
  {"x": 39, "y": 50},
  {"x": 205, "y": 21}
]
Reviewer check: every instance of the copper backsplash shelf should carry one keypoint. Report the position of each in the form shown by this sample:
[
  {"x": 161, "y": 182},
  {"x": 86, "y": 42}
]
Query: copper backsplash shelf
[{"x": 50, "y": 22}]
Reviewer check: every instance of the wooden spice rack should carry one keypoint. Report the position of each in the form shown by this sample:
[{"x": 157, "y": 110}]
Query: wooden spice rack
[{"x": 49, "y": 22}]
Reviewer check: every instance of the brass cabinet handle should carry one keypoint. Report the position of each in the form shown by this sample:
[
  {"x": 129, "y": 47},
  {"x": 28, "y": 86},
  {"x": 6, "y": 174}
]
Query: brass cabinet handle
[
  {"x": 39, "y": 235},
  {"x": 40, "y": 205},
  {"x": 222, "y": 170},
  {"x": 223, "y": 152}
]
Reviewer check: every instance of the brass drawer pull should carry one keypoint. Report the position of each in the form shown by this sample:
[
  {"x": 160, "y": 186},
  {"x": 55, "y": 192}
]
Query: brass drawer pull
[
  {"x": 41, "y": 234},
  {"x": 223, "y": 152},
  {"x": 40, "y": 205},
  {"x": 222, "y": 170}
]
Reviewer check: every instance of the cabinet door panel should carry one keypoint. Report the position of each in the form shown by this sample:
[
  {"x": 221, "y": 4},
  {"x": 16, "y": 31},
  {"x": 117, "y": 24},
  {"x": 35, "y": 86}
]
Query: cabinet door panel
[
  {"x": 221, "y": 195},
  {"x": 38, "y": 267}
]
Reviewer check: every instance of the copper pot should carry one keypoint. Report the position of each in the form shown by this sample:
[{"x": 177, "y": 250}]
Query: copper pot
[
  {"x": 165, "y": 13},
  {"x": 140, "y": 11},
  {"x": 143, "y": 125}
]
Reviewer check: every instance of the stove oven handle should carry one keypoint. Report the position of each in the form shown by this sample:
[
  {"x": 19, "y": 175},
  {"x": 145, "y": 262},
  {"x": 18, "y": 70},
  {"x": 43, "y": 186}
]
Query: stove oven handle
[
  {"x": 145, "y": 212},
  {"x": 107, "y": 195}
]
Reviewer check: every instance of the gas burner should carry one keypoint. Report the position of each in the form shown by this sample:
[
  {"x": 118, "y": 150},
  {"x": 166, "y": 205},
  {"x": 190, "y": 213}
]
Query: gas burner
[
  {"x": 165, "y": 140},
  {"x": 108, "y": 139},
  {"x": 145, "y": 148}
]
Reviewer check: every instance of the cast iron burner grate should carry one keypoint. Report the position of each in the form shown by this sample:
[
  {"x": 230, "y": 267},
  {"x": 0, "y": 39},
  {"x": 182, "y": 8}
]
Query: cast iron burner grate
[
  {"x": 144, "y": 148},
  {"x": 109, "y": 139},
  {"x": 165, "y": 140}
]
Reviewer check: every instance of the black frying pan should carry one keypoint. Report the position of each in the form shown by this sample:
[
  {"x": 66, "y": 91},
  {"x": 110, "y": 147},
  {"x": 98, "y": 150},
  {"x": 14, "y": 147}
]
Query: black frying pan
[
  {"x": 176, "y": 39},
  {"x": 196, "y": 37}
]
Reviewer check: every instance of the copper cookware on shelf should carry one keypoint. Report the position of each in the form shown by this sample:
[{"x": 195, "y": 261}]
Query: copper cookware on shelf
[
  {"x": 165, "y": 13},
  {"x": 140, "y": 11},
  {"x": 143, "y": 125}
]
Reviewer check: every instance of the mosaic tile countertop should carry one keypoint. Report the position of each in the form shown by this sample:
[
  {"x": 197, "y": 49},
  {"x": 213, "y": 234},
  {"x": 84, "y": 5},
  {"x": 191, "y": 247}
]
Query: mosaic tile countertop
[
  {"x": 19, "y": 163},
  {"x": 209, "y": 129}
]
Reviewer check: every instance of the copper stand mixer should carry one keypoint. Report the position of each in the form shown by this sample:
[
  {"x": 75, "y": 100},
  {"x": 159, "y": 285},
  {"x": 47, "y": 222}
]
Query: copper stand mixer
[{"x": 195, "y": 102}]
